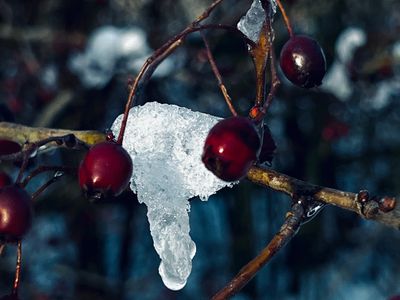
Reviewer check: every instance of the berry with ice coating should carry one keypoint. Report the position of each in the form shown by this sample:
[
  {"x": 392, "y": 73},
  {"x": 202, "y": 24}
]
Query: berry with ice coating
[
  {"x": 231, "y": 148},
  {"x": 105, "y": 170},
  {"x": 303, "y": 61},
  {"x": 15, "y": 213}
]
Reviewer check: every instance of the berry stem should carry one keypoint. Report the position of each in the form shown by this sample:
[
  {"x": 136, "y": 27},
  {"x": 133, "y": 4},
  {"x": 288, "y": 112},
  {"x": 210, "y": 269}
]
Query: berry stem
[
  {"x": 275, "y": 82},
  {"x": 285, "y": 18},
  {"x": 17, "y": 269},
  {"x": 287, "y": 231},
  {"x": 217, "y": 74},
  {"x": 42, "y": 188},
  {"x": 156, "y": 58},
  {"x": 42, "y": 169},
  {"x": 23, "y": 167}
]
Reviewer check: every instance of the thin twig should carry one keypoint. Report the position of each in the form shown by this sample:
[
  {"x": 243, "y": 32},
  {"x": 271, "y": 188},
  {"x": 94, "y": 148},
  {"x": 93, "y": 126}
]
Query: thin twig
[
  {"x": 285, "y": 18},
  {"x": 26, "y": 155},
  {"x": 42, "y": 169},
  {"x": 217, "y": 74},
  {"x": 45, "y": 186},
  {"x": 68, "y": 140},
  {"x": 17, "y": 269},
  {"x": 286, "y": 232},
  {"x": 275, "y": 82},
  {"x": 156, "y": 58}
]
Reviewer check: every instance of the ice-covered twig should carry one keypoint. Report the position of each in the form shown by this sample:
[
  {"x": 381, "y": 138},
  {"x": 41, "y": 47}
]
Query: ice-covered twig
[{"x": 286, "y": 232}]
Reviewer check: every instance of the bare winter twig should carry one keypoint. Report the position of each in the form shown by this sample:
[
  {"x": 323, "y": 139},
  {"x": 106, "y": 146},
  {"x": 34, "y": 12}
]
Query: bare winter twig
[{"x": 286, "y": 232}]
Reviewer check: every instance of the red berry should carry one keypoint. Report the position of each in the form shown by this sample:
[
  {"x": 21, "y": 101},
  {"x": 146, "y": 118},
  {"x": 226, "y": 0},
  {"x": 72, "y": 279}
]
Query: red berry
[
  {"x": 303, "y": 61},
  {"x": 4, "y": 179},
  {"x": 15, "y": 213},
  {"x": 268, "y": 147},
  {"x": 231, "y": 148},
  {"x": 105, "y": 170},
  {"x": 9, "y": 147}
]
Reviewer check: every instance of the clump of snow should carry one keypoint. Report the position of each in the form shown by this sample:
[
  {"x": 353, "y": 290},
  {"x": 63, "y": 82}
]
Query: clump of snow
[
  {"x": 337, "y": 79},
  {"x": 165, "y": 143},
  {"x": 251, "y": 23},
  {"x": 110, "y": 50}
]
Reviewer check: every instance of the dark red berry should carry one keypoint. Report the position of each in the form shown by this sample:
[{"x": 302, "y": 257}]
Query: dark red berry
[
  {"x": 268, "y": 147},
  {"x": 231, "y": 148},
  {"x": 303, "y": 61},
  {"x": 105, "y": 170},
  {"x": 4, "y": 179},
  {"x": 15, "y": 213},
  {"x": 9, "y": 147}
]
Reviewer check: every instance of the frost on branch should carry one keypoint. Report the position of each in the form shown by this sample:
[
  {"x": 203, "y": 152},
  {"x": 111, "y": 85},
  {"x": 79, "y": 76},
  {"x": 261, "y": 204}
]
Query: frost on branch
[{"x": 165, "y": 143}]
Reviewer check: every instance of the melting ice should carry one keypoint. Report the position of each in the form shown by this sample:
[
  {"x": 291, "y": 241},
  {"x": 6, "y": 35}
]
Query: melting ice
[
  {"x": 250, "y": 24},
  {"x": 165, "y": 143}
]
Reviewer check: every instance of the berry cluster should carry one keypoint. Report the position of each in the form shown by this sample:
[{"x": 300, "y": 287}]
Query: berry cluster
[
  {"x": 233, "y": 145},
  {"x": 231, "y": 148}
]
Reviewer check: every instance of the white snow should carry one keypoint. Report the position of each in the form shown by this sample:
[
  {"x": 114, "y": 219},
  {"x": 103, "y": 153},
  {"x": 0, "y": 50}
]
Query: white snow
[
  {"x": 251, "y": 23},
  {"x": 110, "y": 50},
  {"x": 337, "y": 80},
  {"x": 165, "y": 143}
]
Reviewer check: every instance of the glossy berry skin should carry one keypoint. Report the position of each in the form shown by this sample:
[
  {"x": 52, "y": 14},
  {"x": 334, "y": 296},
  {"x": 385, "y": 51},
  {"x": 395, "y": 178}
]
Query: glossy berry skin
[
  {"x": 105, "y": 170},
  {"x": 15, "y": 213},
  {"x": 303, "y": 61},
  {"x": 231, "y": 148},
  {"x": 9, "y": 147},
  {"x": 4, "y": 179}
]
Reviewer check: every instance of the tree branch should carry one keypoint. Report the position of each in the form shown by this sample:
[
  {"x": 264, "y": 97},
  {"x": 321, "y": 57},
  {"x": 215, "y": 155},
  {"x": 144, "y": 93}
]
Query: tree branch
[
  {"x": 286, "y": 232},
  {"x": 24, "y": 134},
  {"x": 381, "y": 209}
]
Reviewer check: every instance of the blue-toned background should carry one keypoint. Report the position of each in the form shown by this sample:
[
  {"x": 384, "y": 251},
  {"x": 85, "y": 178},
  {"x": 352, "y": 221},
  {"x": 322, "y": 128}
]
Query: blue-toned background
[{"x": 66, "y": 64}]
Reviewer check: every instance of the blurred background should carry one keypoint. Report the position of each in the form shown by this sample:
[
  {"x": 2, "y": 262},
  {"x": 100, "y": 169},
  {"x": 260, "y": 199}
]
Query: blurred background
[{"x": 67, "y": 64}]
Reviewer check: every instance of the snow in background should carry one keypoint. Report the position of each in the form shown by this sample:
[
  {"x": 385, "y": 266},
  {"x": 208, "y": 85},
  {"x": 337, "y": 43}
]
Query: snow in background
[
  {"x": 165, "y": 143},
  {"x": 110, "y": 50},
  {"x": 337, "y": 79}
]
